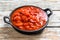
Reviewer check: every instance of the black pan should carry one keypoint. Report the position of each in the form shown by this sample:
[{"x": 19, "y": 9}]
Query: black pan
[{"x": 29, "y": 32}]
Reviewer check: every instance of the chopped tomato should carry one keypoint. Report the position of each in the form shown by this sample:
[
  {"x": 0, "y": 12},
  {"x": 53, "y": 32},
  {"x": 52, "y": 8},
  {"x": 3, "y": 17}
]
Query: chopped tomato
[{"x": 28, "y": 18}]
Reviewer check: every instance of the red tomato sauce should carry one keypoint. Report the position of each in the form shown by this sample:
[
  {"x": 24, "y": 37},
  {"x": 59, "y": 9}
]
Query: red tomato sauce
[{"x": 28, "y": 18}]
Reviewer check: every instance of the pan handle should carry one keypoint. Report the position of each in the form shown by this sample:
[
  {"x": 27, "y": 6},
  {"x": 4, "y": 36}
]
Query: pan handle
[
  {"x": 48, "y": 11},
  {"x": 5, "y": 20}
]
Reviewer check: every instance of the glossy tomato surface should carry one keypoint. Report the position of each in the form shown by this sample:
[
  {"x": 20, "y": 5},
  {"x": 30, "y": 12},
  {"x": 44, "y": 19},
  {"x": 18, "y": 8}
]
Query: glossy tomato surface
[{"x": 29, "y": 18}]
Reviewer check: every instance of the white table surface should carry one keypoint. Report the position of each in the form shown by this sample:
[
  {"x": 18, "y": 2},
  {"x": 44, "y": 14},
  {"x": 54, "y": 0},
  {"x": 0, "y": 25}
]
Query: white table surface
[{"x": 52, "y": 32}]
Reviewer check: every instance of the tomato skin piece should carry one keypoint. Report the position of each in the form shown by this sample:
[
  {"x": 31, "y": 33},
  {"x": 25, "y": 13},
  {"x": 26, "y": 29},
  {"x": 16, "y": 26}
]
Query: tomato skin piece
[
  {"x": 26, "y": 24},
  {"x": 37, "y": 24},
  {"x": 27, "y": 27},
  {"x": 24, "y": 18},
  {"x": 17, "y": 18},
  {"x": 21, "y": 28},
  {"x": 30, "y": 29},
  {"x": 16, "y": 14},
  {"x": 18, "y": 24}
]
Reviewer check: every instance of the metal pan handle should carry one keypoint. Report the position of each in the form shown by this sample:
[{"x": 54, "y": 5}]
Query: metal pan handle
[
  {"x": 48, "y": 11},
  {"x": 5, "y": 20}
]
